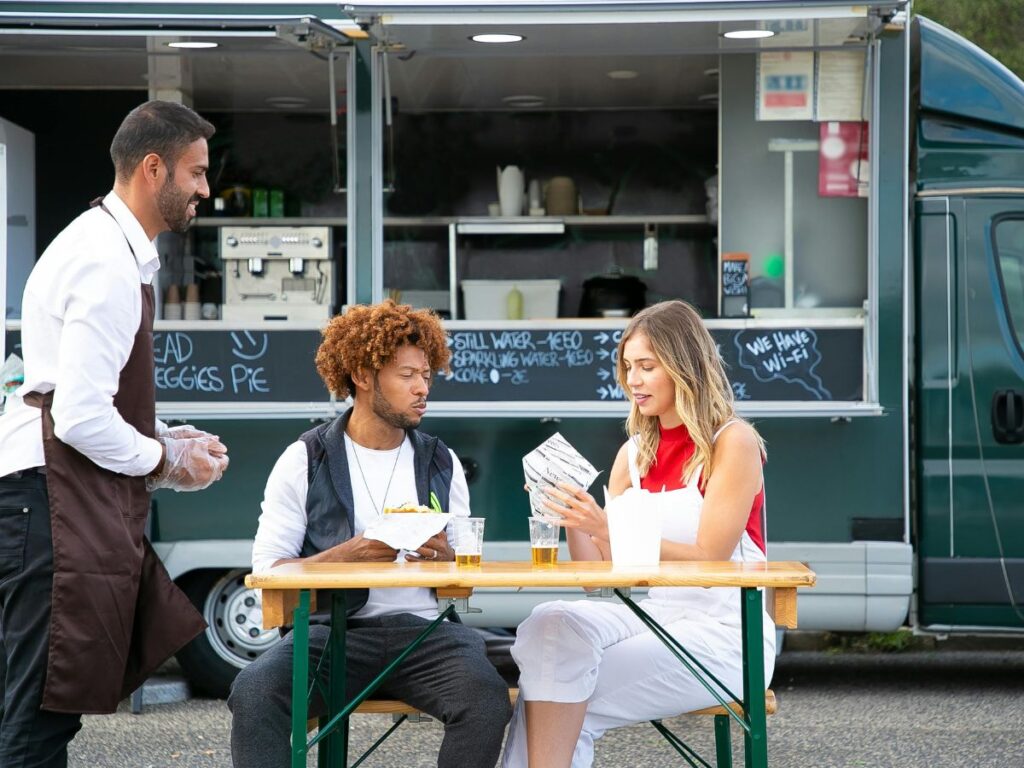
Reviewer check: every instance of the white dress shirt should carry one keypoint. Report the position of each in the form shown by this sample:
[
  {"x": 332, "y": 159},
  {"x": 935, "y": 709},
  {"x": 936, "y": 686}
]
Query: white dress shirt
[
  {"x": 81, "y": 310},
  {"x": 282, "y": 525}
]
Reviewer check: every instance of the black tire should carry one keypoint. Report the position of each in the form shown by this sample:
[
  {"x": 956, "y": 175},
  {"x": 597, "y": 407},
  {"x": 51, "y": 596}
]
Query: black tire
[{"x": 234, "y": 637}]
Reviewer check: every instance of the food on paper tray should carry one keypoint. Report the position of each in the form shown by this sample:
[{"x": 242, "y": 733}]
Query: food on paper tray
[
  {"x": 407, "y": 509},
  {"x": 407, "y": 526}
]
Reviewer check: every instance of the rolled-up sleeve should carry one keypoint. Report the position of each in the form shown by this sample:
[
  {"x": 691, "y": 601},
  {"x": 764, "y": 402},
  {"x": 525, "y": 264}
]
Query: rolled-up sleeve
[{"x": 101, "y": 315}]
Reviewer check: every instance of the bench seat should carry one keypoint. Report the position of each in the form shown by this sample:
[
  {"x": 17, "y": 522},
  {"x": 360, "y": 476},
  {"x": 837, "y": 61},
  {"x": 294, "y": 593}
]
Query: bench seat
[{"x": 394, "y": 707}]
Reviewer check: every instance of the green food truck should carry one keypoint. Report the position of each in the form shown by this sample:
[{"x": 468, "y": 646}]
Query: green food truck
[{"x": 837, "y": 186}]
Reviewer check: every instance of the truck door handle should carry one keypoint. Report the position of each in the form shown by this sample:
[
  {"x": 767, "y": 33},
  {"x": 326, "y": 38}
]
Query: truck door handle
[{"x": 1008, "y": 416}]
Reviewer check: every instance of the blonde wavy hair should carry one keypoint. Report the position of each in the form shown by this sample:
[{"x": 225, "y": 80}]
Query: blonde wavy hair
[{"x": 704, "y": 399}]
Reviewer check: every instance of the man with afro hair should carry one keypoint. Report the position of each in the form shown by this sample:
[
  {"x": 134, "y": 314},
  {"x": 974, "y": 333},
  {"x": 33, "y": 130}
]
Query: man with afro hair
[{"x": 324, "y": 491}]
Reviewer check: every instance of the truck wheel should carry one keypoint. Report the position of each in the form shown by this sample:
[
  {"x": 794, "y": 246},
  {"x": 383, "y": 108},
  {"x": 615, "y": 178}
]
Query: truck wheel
[{"x": 235, "y": 635}]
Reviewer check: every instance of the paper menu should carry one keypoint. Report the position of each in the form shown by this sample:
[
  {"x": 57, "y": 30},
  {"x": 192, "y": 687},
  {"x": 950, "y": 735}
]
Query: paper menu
[{"x": 554, "y": 461}]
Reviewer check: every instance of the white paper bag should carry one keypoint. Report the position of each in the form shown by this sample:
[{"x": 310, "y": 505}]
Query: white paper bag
[
  {"x": 407, "y": 530},
  {"x": 554, "y": 461},
  {"x": 634, "y": 528}
]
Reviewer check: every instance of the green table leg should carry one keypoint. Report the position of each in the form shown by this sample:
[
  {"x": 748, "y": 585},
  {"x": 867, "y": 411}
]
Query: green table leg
[
  {"x": 337, "y": 741},
  {"x": 300, "y": 679},
  {"x": 756, "y": 739},
  {"x": 723, "y": 742}
]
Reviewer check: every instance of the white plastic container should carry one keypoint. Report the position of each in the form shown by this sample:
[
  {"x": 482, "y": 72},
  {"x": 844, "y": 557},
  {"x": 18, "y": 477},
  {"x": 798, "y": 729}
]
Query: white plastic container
[
  {"x": 634, "y": 528},
  {"x": 488, "y": 299}
]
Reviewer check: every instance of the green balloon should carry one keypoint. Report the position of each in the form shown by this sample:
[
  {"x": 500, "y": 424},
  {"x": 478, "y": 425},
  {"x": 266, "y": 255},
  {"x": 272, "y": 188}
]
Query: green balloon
[{"x": 774, "y": 265}]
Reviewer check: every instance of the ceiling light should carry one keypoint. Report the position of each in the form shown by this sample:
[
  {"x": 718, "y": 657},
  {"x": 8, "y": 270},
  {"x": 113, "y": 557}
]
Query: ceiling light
[
  {"x": 524, "y": 101},
  {"x": 496, "y": 38},
  {"x": 748, "y": 34},
  {"x": 195, "y": 45},
  {"x": 287, "y": 102},
  {"x": 623, "y": 74}
]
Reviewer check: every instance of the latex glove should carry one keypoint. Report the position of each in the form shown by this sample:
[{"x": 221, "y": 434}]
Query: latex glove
[
  {"x": 191, "y": 464},
  {"x": 187, "y": 430}
]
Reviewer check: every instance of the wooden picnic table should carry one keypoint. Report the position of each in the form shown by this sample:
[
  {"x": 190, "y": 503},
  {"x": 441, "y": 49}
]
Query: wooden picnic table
[{"x": 287, "y": 598}]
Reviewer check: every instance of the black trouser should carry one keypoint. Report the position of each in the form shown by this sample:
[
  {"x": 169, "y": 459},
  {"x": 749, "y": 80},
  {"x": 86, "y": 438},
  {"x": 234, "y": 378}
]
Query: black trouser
[
  {"x": 29, "y": 737},
  {"x": 449, "y": 677}
]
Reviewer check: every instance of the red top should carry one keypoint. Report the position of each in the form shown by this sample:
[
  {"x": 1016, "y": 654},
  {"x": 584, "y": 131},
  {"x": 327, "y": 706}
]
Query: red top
[{"x": 675, "y": 447}]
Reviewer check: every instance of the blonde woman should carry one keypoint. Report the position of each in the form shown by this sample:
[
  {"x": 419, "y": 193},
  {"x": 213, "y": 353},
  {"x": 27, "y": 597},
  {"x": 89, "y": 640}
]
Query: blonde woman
[{"x": 587, "y": 666}]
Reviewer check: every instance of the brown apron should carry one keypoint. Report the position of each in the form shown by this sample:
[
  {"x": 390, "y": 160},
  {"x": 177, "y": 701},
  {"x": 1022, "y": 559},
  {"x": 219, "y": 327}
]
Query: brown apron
[{"x": 115, "y": 613}]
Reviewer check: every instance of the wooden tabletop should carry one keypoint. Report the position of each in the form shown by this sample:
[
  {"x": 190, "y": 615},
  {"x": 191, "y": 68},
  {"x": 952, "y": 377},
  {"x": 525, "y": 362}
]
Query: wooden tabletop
[{"x": 294, "y": 576}]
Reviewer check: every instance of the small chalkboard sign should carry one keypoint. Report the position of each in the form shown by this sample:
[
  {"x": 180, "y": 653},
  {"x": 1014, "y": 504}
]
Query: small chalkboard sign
[
  {"x": 734, "y": 278},
  {"x": 735, "y": 284}
]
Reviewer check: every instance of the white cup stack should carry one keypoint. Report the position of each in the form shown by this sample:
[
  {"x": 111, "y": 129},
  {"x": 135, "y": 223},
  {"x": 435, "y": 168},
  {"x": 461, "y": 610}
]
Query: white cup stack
[
  {"x": 172, "y": 303},
  {"x": 192, "y": 309}
]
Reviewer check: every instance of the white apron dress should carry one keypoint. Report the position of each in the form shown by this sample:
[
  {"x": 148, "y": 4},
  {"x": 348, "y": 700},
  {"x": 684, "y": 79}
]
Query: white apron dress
[{"x": 599, "y": 652}]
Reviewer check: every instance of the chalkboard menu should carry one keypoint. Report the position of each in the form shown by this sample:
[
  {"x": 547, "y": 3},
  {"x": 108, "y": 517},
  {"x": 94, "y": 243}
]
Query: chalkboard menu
[
  {"x": 787, "y": 364},
  {"x": 237, "y": 366},
  {"x": 231, "y": 366},
  {"x": 517, "y": 365},
  {"x": 816, "y": 364}
]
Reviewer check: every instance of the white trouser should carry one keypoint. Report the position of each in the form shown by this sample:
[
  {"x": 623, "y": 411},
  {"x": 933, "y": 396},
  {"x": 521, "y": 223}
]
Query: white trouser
[{"x": 603, "y": 654}]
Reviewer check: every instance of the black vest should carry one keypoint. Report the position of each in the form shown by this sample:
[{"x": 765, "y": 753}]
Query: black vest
[{"x": 330, "y": 511}]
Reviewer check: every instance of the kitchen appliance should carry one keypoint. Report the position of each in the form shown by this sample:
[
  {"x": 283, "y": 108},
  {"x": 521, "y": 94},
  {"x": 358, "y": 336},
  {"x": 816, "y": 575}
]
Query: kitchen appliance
[
  {"x": 612, "y": 295},
  {"x": 277, "y": 273}
]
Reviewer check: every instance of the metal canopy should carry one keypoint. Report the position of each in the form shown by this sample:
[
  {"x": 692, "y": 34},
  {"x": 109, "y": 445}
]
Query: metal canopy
[
  {"x": 258, "y": 58},
  {"x": 589, "y": 11}
]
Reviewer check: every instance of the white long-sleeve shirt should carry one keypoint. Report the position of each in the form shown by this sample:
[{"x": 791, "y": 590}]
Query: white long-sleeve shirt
[
  {"x": 81, "y": 310},
  {"x": 282, "y": 525}
]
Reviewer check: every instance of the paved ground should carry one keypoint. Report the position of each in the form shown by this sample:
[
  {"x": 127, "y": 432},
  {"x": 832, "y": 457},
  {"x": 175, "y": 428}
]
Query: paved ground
[{"x": 912, "y": 710}]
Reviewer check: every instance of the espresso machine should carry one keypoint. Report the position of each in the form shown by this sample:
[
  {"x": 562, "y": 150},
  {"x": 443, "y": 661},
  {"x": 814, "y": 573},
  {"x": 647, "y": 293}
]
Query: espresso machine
[{"x": 277, "y": 273}]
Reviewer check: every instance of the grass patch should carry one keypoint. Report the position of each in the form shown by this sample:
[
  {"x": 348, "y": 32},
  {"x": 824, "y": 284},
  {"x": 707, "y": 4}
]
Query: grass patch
[{"x": 871, "y": 642}]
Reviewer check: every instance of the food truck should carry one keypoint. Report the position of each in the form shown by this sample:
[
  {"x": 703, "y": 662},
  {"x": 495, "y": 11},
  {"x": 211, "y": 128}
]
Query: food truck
[{"x": 836, "y": 186}]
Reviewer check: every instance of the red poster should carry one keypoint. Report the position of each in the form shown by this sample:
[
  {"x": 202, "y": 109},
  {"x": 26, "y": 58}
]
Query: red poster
[{"x": 843, "y": 160}]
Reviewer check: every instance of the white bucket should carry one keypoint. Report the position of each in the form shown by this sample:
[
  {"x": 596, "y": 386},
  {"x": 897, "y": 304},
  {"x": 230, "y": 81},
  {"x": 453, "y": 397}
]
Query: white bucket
[{"x": 634, "y": 530}]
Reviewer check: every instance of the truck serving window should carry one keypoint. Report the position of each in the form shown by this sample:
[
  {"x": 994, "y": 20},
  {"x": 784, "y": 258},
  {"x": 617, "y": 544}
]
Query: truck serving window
[{"x": 1008, "y": 246}]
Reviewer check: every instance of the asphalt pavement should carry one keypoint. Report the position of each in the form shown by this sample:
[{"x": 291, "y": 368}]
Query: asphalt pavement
[{"x": 919, "y": 709}]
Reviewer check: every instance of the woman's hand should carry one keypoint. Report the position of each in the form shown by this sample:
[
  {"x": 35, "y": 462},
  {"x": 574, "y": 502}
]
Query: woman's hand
[{"x": 579, "y": 510}]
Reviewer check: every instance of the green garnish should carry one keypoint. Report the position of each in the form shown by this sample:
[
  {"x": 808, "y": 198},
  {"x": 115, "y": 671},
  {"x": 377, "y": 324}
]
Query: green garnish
[{"x": 435, "y": 503}]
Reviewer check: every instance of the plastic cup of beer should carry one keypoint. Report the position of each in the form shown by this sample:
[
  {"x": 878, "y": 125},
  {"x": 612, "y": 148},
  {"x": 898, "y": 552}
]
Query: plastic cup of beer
[
  {"x": 469, "y": 540},
  {"x": 543, "y": 541}
]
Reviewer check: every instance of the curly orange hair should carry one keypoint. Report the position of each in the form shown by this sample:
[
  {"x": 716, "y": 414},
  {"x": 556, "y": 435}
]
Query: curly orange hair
[{"x": 367, "y": 336}]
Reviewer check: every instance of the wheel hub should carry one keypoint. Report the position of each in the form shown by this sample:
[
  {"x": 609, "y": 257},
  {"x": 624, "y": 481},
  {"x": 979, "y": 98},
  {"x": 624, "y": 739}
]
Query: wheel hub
[{"x": 235, "y": 619}]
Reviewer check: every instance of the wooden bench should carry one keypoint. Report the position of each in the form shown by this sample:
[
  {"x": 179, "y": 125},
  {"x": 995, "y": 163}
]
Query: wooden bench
[
  {"x": 395, "y": 707},
  {"x": 781, "y": 606},
  {"x": 400, "y": 712}
]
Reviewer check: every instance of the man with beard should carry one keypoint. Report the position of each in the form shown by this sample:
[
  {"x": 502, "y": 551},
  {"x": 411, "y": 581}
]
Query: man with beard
[
  {"x": 86, "y": 609},
  {"x": 324, "y": 491}
]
